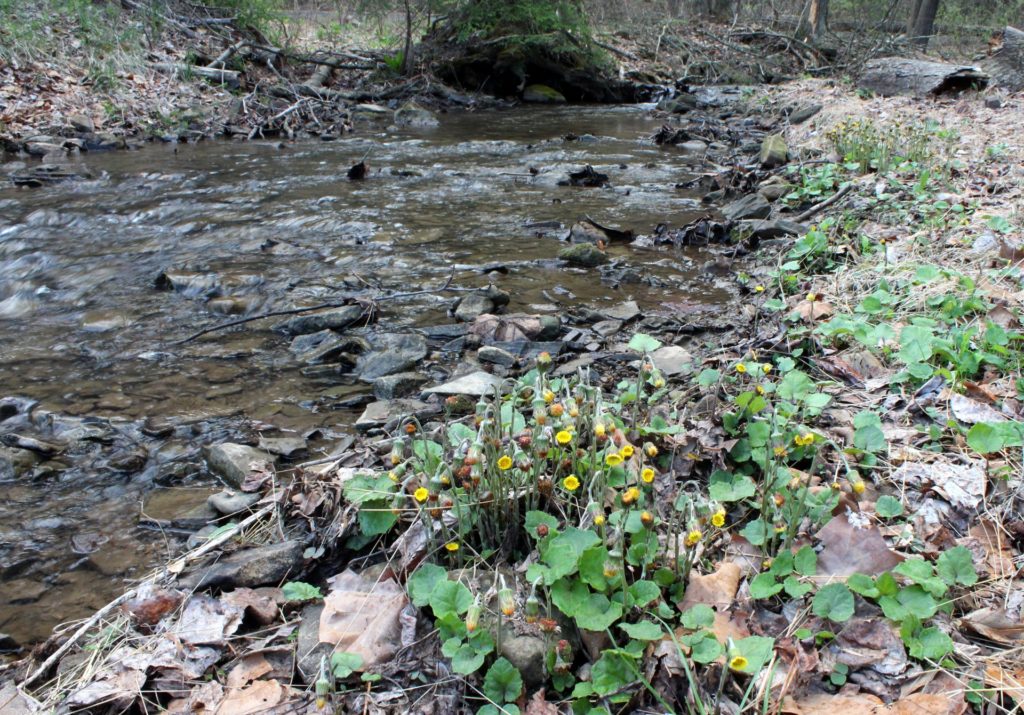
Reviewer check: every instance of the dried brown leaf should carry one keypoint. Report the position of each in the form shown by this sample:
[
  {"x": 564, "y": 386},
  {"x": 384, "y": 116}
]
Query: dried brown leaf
[
  {"x": 873, "y": 642},
  {"x": 363, "y": 617},
  {"x": 864, "y": 704},
  {"x": 717, "y": 589},
  {"x": 207, "y": 620},
  {"x": 849, "y": 549},
  {"x": 962, "y": 485},
  {"x": 261, "y": 604},
  {"x": 994, "y": 624},
  {"x": 256, "y": 698},
  {"x": 538, "y": 705},
  {"x": 971, "y": 411}
]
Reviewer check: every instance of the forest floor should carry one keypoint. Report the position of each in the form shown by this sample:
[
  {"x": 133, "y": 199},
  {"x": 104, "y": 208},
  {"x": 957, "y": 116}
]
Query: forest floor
[{"x": 824, "y": 512}]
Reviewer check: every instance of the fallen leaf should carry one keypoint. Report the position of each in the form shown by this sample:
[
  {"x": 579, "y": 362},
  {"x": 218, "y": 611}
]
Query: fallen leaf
[
  {"x": 363, "y": 617},
  {"x": 717, "y": 589},
  {"x": 151, "y": 603},
  {"x": 849, "y": 550},
  {"x": 970, "y": 411},
  {"x": 256, "y": 698},
  {"x": 116, "y": 690},
  {"x": 259, "y": 603},
  {"x": 813, "y": 310},
  {"x": 1009, "y": 682},
  {"x": 203, "y": 699},
  {"x": 962, "y": 485},
  {"x": 863, "y": 704},
  {"x": 871, "y": 642},
  {"x": 207, "y": 620},
  {"x": 994, "y": 624},
  {"x": 538, "y": 705},
  {"x": 249, "y": 668},
  {"x": 987, "y": 541}
]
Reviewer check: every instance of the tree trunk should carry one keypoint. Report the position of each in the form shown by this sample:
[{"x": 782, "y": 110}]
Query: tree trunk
[
  {"x": 818, "y": 18},
  {"x": 915, "y": 10},
  {"x": 1006, "y": 63},
  {"x": 407, "y": 57},
  {"x": 924, "y": 23}
]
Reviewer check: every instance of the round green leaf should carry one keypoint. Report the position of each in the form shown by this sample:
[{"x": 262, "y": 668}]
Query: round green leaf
[
  {"x": 642, "y": 631},
  {"x": 503, "y": 683},
  {"x": 834, "y": 602},
  {"x": 888, "y": 506}
]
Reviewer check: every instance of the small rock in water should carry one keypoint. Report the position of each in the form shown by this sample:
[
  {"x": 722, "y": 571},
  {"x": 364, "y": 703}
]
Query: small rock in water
[
  {"x": 749, "y": 207},
  {"x": 480, "y": 302},
  {"x": 15, "y": 462},
  {"x": 585, "y": 255},
  {"x": 284, "y": 446},
  {"x": 234, "y": 462},
  {"x": 379, "y": 414},
  {"x": 605, "y": 328},
  {"x": 542, "y": 94},
  {"x": 326, "y": 319},
  {"x": 624, "y": 311},
  {"x": 391, "y": 353},
  {"x": 253, "y": 567},
  {"x": 496, "y": 356},
  {"x": 322, "y": 346},
  {"x": 230, "y": 502},
  {"x": 400, "y": 384},
  {"x": 476, "y": 384},
  {"x": 413, "y": 115}
]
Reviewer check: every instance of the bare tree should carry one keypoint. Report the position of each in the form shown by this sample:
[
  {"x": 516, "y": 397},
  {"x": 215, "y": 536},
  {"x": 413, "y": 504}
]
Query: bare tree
[{"x": 817, "y": 18}]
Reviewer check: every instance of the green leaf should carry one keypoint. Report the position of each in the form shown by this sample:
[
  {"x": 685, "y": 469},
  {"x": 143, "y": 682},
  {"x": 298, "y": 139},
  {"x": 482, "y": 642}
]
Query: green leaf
[
  {"x": 561, "y": 558},
  {"x": 756, "y": 532},
  {"x": 591, "y": 565},
  {"x": 915, "y": 344},
  {"x": 726, "y": 487},
  {"x": 466, "y": 659},
  {"x": 700, "y": 616},
  {"x": 922, "y": 573},
  {"x": 460, "y": 432},
  {"x": 597, "y": 613},
  {"x": 423, "y": 581},
  {"x": 611, "y": 673},
  {"x": 642, "y": 593},
  {"x": 956, "y": 566},
  {"x": 707, "y": 649},
  {"x": 376, "y": 517},
  {"x": 367, "y": 487},
  {"x": 708, "y": 377},
  {"x": 888, "y": 507},
  {"x": 343, "y": 664},
  {"x": 917, "y": 602},
  {"x": 536, "y": 518},
  {"x": 643, "y": 343},
  {"x": 569, "y": 596},
  {"x": 796, "y": 588},
  {"x": 450, "y": 597},
  {"x": 506, "y": 709},
  {"x": 834, "y": 602},
  {"x": 300, "y": 591},
  {"x": 868, "y": 435},
  {"x": 643, "y": 631},
  {"x": 805, "y": 562},
  {"x": 503, "y": 683},
  {"x": 862, "y": 584},
  {"x": 795, "y": 385},
  {"x": 756, "y": 649},
  {"x": 764, "y": 585},
  {"x": 930, "y": 644}
]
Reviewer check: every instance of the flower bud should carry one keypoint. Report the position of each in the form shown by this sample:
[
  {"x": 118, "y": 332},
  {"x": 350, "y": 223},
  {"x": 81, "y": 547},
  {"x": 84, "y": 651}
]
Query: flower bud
[
  {"x": 473, "y": 616},
  {"x": 507, "y": 601}
]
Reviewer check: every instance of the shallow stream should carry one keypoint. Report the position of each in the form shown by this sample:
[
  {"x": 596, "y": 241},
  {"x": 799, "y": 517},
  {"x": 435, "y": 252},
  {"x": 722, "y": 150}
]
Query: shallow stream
[{"x": 86, "y": 333}]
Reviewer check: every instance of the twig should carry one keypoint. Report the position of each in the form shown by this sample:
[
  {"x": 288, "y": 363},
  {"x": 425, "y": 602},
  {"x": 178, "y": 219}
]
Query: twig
[
  {"x": 321, "y": 306},
  {"x": 818, "y": 208}
]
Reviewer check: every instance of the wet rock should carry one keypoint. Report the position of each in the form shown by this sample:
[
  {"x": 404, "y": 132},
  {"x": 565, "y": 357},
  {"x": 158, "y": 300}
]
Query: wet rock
[
  {"x": 764, "y": 229},
  {"x": 322, "y": 346},
  {"x": 234, "y": 462},
  {"x": 479, "y": 302},
  {"x": 585, "y": 255},
  {"x": 413, "y": 115},
  {"x": 693, "y": 146},
  {"x": 444, "y": 332},
  {"x": 201, "y": 536},
  {"x": 189, "y": 284},
  {"x": 672, "y": 360},
  {"x": 605, "y": 328},
  {"x": 516, "y": 327},
  {"x": 36, "y": 148},
  {"x": 496, "y": 356},
  {"x": 327, "y": 319},
  {"x": 401, "y": 384},
  {"x": 682, "y": 102},
  {"x": 228, "y": 305},
  {"x": 801, "y": 115},
  {"x": 625, "y": 312},
  {"x": 527, "y": 653},
  {"x": 15, "y": 462},
  {"x": 774, "y": 151},
  {"x": 370, "y": 110},
  {"x": 476, "y": 384},
  {"x": 542, "y": 94},
  {"x": 308, "y": 648},
  {"x": 104, "y": 141},
  {"x": 23, "y": 590},
  {"x": 391, "y": 353},
  {"x": 259, "y": 566},
  {"x": 32, "y": 444},
  {"x": 231, "y": 502},
  {"x": 379, "y": 414},
  {"x": 774, "y": 188},
  {"x": 752, "y": 206},
  {"x": 283, "y": 446},
  {"x": 7, "y": 644},
  {"x": 81, "y": 124}
]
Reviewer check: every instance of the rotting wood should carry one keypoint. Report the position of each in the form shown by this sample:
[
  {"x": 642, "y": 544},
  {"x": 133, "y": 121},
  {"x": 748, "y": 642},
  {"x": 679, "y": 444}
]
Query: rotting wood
[
  {"x": 890, "y": 76},
  {"x": 1006, "y": 59}
]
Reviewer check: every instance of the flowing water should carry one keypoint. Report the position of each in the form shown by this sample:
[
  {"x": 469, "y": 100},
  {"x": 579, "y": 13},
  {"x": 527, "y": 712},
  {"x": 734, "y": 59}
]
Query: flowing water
[{"x": 258, "y": 226}]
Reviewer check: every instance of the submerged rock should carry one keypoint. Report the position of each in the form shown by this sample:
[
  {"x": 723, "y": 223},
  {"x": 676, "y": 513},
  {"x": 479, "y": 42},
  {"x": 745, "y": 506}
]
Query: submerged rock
[
  {"x": 413, "y": 115},
  {"x": 542, "y": 94},
  {"x": 398, "y": 385},
  {"x": 327, "y": 319},
  {"x": 258, "y": 566},
  {"x": 391, "y": 353},
  {"x": 234, "y": 462},
  {"x": 479, "y": 302},
  {"x": 322, "y": 346},
  {"x": 585, "y": 255},
  {"x": 15, "y": 462}
]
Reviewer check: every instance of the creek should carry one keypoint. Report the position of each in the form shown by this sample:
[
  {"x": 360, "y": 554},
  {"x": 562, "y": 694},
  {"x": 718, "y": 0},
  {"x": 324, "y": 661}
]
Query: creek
[{"x": 88, "y": 351}]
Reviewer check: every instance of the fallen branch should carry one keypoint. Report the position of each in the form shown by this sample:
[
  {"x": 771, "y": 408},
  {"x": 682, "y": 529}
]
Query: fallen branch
[
  {"x": 818, "y": 208},
  {"x": 615, "y": 50},
  {"x": 321, "y": 306},
  {"x": 228, "y": 78}
]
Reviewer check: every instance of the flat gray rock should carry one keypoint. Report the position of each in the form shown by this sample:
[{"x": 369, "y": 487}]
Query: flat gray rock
[
  {"x": 378, "y": 414},
  {"x": 401, "y": 384},
  {"x": 751, "y": 206},
  {"x": 234, "y": 462},
  {"x": 623, "y": 311},
  {"x": 391, "y": 353},
  {"x": 475, "y": 384},
  {"x": 672, "y": 360},
  {"x": 283, "y": 446},
  {"x": 258, "y": 566},
  {"x": 327, "y": 319}
]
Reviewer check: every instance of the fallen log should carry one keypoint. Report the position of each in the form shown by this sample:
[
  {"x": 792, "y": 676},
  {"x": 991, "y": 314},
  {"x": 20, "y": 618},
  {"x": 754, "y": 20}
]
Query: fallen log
[
  {"x": 1006, "y": 59},
  {"x": 229, "y": 78},
  {"x": 889, "y": 76}
]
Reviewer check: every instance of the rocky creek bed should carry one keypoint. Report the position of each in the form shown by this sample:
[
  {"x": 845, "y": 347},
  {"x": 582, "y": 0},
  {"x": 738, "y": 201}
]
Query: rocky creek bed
[{"x": 108, "y": 415}]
